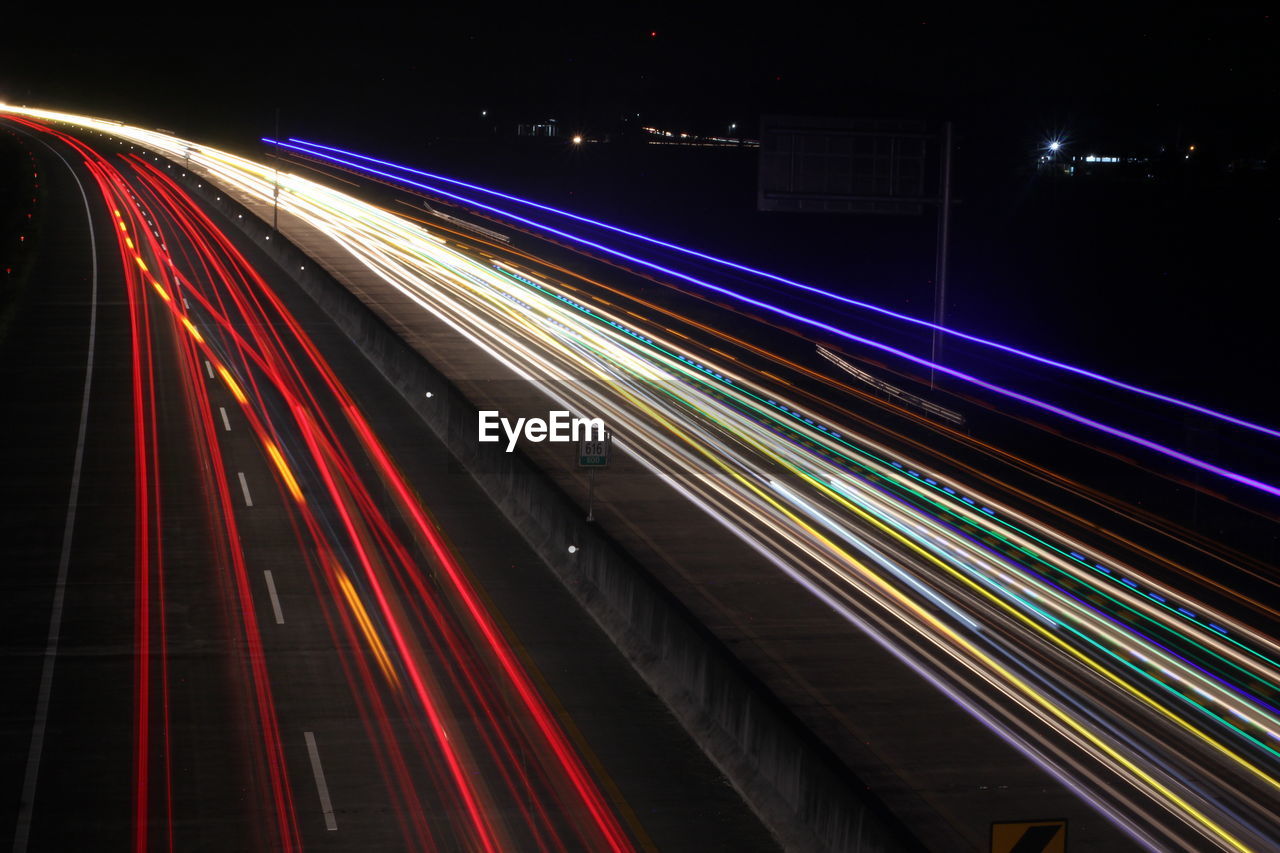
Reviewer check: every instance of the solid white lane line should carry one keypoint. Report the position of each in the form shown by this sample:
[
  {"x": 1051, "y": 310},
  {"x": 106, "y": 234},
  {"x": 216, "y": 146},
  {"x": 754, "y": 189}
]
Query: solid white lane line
[
  {"x": 226, "y": 424},
  {"x": 330, "y": 822},
  {"x": 22, "y": 830},
  {"x": 275, "y": 599},
  {"x": 208, "y": 368},
  {"x": 244, "y": 487}
]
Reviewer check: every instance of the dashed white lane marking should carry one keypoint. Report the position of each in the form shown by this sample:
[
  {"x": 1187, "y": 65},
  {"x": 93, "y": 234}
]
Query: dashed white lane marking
[
  {"x": 208, "y": 368},
  {"x": 330, "y": 822},
  {"x": 244, "y": 487},
  {"x": 226, "y": 424},
  {"x": 275, "y": 599}
]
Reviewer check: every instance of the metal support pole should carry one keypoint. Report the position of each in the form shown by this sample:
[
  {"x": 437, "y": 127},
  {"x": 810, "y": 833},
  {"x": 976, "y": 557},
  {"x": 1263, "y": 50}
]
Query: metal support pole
[
  {"x": 591, "y": 494},
  {"x": 940, "y": 269},
  {"x": 275, "y": 196}
]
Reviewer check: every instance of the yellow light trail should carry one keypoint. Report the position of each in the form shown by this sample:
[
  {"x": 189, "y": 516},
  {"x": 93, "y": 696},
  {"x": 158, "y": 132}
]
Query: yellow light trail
[
  {"x": 231, "y": 383},
  {"x": 285, "y": 473},
  {"x": 366, "y": 627}
]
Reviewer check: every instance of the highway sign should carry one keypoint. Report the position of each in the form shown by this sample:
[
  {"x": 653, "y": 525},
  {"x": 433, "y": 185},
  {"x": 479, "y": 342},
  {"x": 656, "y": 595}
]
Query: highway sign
[
  {"x": 825, "y": 165},
  {"x": 594, "y": 453},
  {"x": 1029, "y": 836}
]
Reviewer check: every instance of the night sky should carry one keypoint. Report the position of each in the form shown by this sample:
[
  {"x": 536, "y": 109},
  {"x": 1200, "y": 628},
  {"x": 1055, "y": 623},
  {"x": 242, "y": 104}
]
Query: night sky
[
  {"x": 1107, "y": 276},
  {"x": 1096, "y": 70}
]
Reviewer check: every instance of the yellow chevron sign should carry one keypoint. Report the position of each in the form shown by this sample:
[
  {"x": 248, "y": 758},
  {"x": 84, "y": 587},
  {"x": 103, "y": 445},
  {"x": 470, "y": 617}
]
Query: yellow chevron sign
[{"x": 1029, "y": 836}]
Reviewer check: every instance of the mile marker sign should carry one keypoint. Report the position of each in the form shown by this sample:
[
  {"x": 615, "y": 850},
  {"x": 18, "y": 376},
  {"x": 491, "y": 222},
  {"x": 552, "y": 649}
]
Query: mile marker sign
[{"x": 594, "y": 453}]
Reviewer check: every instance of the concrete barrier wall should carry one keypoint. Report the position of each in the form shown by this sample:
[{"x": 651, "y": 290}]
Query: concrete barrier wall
[{"x": 798, "y": 789}]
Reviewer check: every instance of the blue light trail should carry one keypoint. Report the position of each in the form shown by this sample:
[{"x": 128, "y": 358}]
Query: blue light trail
[
  {"x": 906, "y": 318},
  {"x": 1067, "y": 414}
]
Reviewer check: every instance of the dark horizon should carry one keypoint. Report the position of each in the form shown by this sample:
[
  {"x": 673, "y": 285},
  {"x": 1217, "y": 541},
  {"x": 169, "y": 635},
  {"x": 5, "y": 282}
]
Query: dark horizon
[{"x": 1211, "y": 74}]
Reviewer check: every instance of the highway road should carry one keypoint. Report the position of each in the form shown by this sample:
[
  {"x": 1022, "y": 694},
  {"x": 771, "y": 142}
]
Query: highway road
[
  {"x": 1153, "y": 705},
  {"x": 252, "y": 604}
]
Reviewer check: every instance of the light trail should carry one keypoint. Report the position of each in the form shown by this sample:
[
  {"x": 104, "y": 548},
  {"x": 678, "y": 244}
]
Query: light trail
[
  {"x": 1068, "y": 652},
  {"x": 1027, "y": 399},
  {"x": 1048, "y": 508},
  {"x": 359, "y": 520},
  {"x": 304, "y": 145},
  {"x": 510, "y": 769}
]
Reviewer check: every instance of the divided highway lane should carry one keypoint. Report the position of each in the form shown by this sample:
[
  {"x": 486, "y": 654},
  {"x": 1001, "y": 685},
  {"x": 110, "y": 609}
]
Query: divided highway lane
[
  {"x": 1057, "y": 646},
  {"x": 1068, "y": 650},
  {"x": 65, "y": 445},
  {"x": 1085, "y": 644},
  {"x": 308, "y": 661},
  {"x": 1186, "y": 557}
]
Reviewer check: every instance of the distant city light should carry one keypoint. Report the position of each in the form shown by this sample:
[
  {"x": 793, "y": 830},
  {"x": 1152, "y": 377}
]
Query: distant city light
[
  {"x": 1052, "y": 147},
  {"x": 577, "y": 140}
]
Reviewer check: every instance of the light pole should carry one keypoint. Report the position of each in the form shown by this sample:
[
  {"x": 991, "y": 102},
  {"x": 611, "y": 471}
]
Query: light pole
[
  {"x": 275, "y": 195},
  {"x": 940, "y": 271}
]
